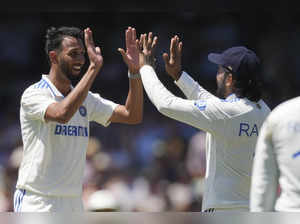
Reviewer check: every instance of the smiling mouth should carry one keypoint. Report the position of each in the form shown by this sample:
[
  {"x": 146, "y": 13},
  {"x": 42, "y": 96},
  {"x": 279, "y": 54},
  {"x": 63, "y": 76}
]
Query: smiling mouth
[{"x": 77, "y": 68}]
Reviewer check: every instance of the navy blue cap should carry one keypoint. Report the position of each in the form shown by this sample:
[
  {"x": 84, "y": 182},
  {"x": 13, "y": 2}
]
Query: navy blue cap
[{"x": 238, "y": 58}]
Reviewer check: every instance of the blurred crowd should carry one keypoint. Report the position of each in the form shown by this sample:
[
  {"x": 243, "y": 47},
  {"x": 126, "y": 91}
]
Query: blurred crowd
[
  {"x": 158, "y": 165},
  {"x": 160, "y": 172}
]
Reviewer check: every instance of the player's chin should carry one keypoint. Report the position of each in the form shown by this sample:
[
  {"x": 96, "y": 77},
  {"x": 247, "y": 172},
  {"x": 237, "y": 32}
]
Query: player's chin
[{"x": 76, "y": 73}]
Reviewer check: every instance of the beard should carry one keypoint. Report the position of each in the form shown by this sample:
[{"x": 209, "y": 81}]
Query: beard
[
  {"x": 221, "y": 90},
  {"x": 68, "y": 72}
]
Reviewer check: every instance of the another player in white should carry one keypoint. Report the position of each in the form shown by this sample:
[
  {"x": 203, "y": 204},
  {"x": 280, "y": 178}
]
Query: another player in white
[
  {"x": 276, "y": 161},
  {"x": 55, "y": 120},
  {"x": 232, "y": 124}
]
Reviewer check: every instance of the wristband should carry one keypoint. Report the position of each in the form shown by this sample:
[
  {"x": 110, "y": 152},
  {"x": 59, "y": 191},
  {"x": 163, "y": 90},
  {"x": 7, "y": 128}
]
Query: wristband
[{"x": 134, "y": 76}]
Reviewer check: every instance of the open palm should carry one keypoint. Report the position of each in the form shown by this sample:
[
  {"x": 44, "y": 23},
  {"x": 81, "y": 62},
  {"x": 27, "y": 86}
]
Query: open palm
[
  {"x": 131, "y": 56},
  {"x": 147, "y": 46},
  {"x": 173, "y": 62},
  {"x": 93, "y": 52}
]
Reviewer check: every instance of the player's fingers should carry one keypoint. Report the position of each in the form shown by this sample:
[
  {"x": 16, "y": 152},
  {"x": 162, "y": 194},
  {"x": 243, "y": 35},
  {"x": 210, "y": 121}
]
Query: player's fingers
[
  {"x": 176, "y": 44},
  {"x": 98, "y": 50},
  {"x": 177, "y": 39},
  {"x": 139, "y": 45},
  {"x": 149, "y": 41},
  {"x": 154, "y": 43},
  {"x": 127, "y": 37},
  {"x": 141, "y": 39},
  {"x": 144, "y": 41},
  {"x": 122, "y": 52},
  {"x": 172, "y": 48},
  {"x": 166, "y": 58},
  {"x": 180, "y": 45},
  {"x": 130, "y": 34},
  {"x": 88, "y": 38},
  {"x": 133, "y": 34}
]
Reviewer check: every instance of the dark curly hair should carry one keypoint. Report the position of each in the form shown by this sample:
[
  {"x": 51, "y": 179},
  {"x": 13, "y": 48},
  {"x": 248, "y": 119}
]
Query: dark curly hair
[{"x": 54, "y": 37}]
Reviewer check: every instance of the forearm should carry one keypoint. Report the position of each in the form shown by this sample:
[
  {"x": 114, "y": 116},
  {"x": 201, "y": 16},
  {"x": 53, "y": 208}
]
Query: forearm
[
  {"x": 132, "y": 111},
  {"x": 135, "y": 100},
  {"x": 165, "y": 102},
  {"x": 64, "y": 110}
]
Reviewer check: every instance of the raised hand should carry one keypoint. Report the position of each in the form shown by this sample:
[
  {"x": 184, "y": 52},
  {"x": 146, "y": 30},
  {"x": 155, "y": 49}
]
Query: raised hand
[
  {"x": 94, "y": 53},
  {"x": 131, "y": 56},
  {"x": 146, "y": 46},
  {"x": 173, "y": 63}
]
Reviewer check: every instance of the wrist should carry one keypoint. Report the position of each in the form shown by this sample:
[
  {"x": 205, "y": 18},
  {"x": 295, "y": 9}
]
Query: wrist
[
  {"x": 94, "y": 68},
  {"x": 134, "y": 75},
  {"x": 177, "y": 75},
  {"x": 133, "y": 71}
]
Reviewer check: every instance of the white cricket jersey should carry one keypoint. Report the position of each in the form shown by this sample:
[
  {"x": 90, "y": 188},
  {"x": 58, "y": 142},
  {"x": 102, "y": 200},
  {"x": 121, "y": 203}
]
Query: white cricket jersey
[
  {"x": 277, "y": 161},
  {"x": 55, "y": 154},
  {"x": 233, "y": 127}
]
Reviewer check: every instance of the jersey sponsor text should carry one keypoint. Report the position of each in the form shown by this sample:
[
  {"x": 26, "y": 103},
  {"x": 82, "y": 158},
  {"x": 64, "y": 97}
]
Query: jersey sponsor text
[{"x": 71, "y": 130}]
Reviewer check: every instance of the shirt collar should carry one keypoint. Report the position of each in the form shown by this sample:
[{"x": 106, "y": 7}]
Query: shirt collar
[
  {"x": 55, "y": 91},
  {"x": 231, "y": 96}
]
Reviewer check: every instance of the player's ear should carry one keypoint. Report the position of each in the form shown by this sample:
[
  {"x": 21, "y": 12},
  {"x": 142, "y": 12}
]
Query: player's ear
[
  {"x": 53, "y": 57},
  {"x": 229, "y": 80}
]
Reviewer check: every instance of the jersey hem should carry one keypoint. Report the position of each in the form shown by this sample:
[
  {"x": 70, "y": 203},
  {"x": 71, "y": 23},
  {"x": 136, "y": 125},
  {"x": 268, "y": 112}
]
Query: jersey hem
[
  {"x": 216, "y": 206},
  {"x": 34, "y": 191}
]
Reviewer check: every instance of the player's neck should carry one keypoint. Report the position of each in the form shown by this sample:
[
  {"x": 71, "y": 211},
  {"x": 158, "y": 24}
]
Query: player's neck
[
  {"x": 228, "y": 91},
  {"x": 58, "y": 79}
]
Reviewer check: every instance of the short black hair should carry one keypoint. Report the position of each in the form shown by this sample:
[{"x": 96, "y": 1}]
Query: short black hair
[
  {"x": 248, "y": 81},
  {"x": 54, "y": 37}
]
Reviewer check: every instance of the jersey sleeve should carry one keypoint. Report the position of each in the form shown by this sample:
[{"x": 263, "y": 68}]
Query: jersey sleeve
[
  {"x": 202, "y": 114},
  {"x": 264, "y": 182},
  {"x": 191, "y": 89},
  {"x": 34, "y": 103},
  {"x": 100, "y": 109}
]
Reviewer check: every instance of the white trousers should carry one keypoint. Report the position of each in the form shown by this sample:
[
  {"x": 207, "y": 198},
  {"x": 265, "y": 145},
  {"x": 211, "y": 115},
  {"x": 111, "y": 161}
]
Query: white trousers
[{"x": 27, "y": 201}]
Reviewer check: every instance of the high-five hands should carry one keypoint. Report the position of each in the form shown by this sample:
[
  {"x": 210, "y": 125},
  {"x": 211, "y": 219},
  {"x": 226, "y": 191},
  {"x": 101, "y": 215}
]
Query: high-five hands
[
  {"x": 173, "y": 63},
  {"x": 146, "y": 46},
  {"x": 94, "y": 53},
  {"x": 131, "y": 56}
]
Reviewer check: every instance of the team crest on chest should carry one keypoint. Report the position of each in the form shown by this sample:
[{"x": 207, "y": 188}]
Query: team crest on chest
[{"x": 82, "y": 111}]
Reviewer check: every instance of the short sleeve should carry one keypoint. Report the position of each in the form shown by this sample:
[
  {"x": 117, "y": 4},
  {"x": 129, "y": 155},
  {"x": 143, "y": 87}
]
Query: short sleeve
[
  {"x": 34, "y": 103},
  {"x": 100, "y": 109}
]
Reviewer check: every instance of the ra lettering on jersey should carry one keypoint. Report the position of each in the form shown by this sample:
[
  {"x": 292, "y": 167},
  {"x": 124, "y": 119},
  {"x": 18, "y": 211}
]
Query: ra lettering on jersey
[
  {"x": 248, "y": 130},
  {"x": 71, "y": 130}
]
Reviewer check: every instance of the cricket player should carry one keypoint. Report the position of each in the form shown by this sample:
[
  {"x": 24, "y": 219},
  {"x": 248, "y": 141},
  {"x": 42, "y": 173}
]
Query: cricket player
[
  {"x": 276, "y": 161},
  {"x": 232, "y": 120},
  {"x": 55, "y": 120}
]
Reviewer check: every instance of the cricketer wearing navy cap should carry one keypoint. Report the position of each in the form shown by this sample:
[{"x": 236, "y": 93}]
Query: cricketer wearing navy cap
[
  {"x": 232, "y": 120},
  {"x": 242, "y": 66},
  {"x": 235, "y": 58}
]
